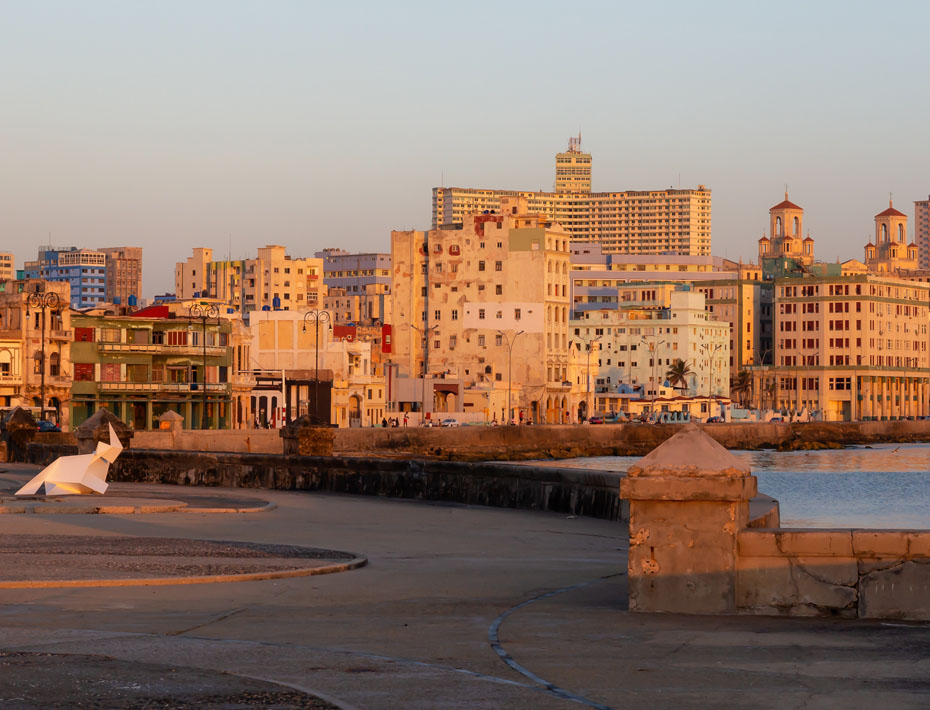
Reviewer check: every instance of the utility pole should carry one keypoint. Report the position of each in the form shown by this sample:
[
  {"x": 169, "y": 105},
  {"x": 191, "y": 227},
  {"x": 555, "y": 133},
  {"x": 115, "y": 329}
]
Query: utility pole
[
  {"x": 316, "y": 317},
  {"x": 589, "y": 343}
]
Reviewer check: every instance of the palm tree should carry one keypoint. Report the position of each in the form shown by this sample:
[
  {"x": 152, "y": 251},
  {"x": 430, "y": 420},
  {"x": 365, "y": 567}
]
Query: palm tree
[
  {"x": 677, "y": 374},
  {"x": 741, "y": 385}
]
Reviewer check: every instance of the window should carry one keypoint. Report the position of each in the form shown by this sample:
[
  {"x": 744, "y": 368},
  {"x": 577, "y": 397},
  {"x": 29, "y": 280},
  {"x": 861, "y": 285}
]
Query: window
[
  {"x": 480, "y": 341},
  {"x": 480, "y": 266},
  {"x": 498, "y": 339},
  {"x": 177, "y": 337},
  {"x": 498, "y": 265},
  {"x": 455, "y": 314},
  {"x": 83, "y": 371},
  {"x": 516, "y": 314},
  {"x": 453, "y": 341},
  {"x": 435, "y": 345},
  {"x": 498, "y": 290},
  {"x": 437, "y": 315},
  {"x": 480, "y": 314},
  {"x": 500, "y": 314}
]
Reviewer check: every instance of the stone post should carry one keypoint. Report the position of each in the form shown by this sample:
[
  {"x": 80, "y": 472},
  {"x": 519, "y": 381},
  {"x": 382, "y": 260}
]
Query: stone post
[
  {"x": 304, "y": 437},
  {"x": 688, "y": 498},
  {"x": 95, "y": 428},
  {"x": 18, "y": 429}
]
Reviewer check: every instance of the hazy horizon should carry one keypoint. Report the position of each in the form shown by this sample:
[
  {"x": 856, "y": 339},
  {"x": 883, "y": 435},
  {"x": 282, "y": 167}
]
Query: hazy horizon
[{"x": 232, "y": 125}]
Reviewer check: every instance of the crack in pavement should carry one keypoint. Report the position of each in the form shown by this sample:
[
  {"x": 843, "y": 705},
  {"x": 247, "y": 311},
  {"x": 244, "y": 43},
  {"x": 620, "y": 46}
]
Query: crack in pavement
[{"x": 550, "y": 688}]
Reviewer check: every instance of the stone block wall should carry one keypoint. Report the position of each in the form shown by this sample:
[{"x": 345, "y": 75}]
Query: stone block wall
[{"x": 883, "y": 574}]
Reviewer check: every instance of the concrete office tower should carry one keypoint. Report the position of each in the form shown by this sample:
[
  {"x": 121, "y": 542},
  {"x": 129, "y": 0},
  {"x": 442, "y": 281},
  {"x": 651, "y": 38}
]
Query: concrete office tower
[
  {"x": 632, "y": 222},
  {"x": 124, "y": 275},
  {"x": 922, "y": 232}
]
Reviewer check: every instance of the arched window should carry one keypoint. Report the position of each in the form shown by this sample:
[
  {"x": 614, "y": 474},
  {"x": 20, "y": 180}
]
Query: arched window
[
  {"x": 37, "y": 363},
  {"x": 797, "y": 226},
  {"x": 54, "y": 364},
  {"x": 884, "y": 236},
  {"x": 778, "y": 226},
  {"x": 900, "y": 232}
]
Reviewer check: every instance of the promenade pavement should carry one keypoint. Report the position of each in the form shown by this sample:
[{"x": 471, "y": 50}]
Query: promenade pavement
[{"x": 458, "y": 607}]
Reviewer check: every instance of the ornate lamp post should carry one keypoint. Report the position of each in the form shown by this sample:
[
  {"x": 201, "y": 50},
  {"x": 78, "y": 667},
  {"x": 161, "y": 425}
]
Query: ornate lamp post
[
  {"x": 510, "y": 341},
  {"x": 316, "y": 317},
  {"x": 204, "y": 312},
  {"x": 42, "y": 301}
]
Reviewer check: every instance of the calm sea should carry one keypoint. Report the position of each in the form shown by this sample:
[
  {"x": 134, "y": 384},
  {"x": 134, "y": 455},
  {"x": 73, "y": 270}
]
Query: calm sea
[{"x": 886, "y": 486}]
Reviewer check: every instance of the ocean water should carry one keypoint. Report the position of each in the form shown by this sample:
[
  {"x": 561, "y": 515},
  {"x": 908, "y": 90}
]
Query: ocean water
[{"x": 883, "y": 486}]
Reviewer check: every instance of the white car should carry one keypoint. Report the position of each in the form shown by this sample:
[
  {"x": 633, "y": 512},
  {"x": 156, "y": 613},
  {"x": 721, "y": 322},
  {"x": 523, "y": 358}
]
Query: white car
[{"x": 450, "y": 422}]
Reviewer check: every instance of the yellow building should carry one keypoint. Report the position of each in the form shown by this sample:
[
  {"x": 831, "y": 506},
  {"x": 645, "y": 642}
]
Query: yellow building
[
  {"x": 272, "y": 280},
  {"x": 890, "y": 253},
  {"x": 633, "y": 222},
  {"x": 467, "y": 294},
  {"x": 7, "y": 266}
]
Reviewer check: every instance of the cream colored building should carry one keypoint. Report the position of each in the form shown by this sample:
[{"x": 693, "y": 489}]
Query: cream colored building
[
  {"x": 464, "y": 294},
  {"x": 655, "y": 326},
  {"x": 632, "y": 222},
  {"x": 890, "y": 253},
  {"x": 272, "y": 280},
  {"x": 282, "y": 341},
  {"x": 25, "y": 331}
]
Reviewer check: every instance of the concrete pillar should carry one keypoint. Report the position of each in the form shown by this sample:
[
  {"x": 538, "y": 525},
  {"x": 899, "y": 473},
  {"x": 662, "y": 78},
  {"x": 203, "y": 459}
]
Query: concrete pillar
[{"x": 689, "y": 498}]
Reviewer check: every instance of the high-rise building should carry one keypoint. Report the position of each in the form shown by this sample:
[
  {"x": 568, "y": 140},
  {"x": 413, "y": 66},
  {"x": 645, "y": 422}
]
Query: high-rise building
[
  {"x": 632, "y": 222},
  {"x": 84, "y": 269},
  {"x": 7, "y": 266},
  {"x": 124, "y": 275},
  {"x": 272, "y": 281},
  {"x": 922, "y": 232}
]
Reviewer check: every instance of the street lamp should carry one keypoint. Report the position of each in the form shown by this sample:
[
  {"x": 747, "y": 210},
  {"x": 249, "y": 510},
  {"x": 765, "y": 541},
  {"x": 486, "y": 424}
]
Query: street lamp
[
  {"x": 654, "y": 350},
  {"x": 316, "y": 317},
  {"x": 43, "y": 301},
  {"x": 204, "y": 312},
  {"x": 424, "y": 333},
  {"x": 587, "y": 393},
  {"x": 510, "y": 341}
]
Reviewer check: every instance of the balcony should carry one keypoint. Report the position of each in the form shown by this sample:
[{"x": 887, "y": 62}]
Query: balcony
[
  {"x": 212, "y": 350},
  {"x": 11, "y": 380},
  {"x": 61, "y": 334},
  {"x": 196, "y": 387}
]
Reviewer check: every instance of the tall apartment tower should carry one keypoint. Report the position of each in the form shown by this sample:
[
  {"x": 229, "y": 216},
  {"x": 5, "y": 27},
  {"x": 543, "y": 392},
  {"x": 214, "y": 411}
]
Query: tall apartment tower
[
  {"x": 573, "y": 168},
  {"x": 124, "y": 275},
  {"x": 922, "y": 232},
  {"x": 632, "y": 222}
]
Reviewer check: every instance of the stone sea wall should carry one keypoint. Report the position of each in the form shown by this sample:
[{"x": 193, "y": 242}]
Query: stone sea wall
[{"x": 569, "y": 491}]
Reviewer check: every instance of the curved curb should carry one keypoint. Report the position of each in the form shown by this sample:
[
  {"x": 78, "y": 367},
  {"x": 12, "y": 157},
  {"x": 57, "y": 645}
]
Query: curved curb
[
  {"x": 53, "y": 509},
  {"x": 354, "y": 563}
]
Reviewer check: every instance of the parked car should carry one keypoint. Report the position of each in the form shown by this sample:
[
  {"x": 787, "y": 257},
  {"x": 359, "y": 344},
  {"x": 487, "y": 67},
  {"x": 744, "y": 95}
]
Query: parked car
[
  {"x": 450, "y": 422},
  {"x": 595, "y": 420},
  {"x": 715, "y": 420},
  {"x": 45, "y": 425}
]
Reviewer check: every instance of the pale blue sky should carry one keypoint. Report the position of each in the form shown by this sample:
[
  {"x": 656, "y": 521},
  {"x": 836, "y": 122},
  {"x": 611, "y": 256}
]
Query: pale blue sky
[{"x": 178, "y": 124}]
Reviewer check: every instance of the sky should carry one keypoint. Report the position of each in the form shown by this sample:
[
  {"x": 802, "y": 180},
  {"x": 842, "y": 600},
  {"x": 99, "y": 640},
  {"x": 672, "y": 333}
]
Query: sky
[{"x": 233, "y": 124}]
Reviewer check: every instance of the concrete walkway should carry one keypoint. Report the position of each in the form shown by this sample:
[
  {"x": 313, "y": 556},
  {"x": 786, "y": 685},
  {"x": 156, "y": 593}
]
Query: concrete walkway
[{"x": 458, "y": 608}]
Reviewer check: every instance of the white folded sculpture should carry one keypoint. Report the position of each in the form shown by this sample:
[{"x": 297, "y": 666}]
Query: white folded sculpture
[{"x": 73, "y": 475}]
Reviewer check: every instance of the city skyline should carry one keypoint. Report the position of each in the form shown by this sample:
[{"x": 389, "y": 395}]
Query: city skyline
[{"x": 227, "y": 126}]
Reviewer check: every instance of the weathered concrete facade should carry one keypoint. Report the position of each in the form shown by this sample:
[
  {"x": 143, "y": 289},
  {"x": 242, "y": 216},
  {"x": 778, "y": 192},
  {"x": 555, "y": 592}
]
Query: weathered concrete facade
[{"x": 692, "y": 549}]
